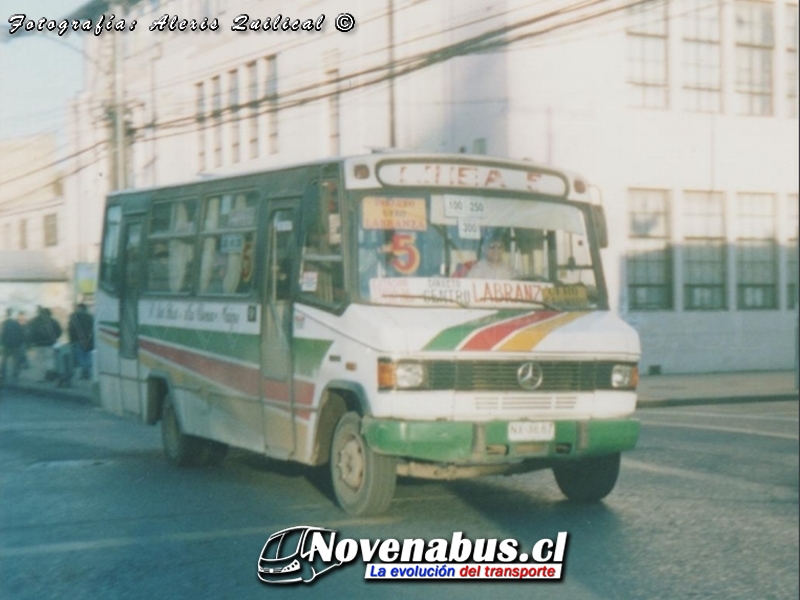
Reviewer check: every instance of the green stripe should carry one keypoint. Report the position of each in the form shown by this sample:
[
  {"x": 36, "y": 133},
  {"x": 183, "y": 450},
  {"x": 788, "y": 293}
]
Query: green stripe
[
  {"x": 308, "y": 355},
  {"x": 239, "y": 346},
  {"x": 110, "y": 324},
  {"x": 450, "y": 338}
]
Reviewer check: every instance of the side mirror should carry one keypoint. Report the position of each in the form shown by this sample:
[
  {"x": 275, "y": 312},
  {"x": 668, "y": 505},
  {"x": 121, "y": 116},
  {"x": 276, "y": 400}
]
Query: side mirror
[{"x": 599, "y": 223}]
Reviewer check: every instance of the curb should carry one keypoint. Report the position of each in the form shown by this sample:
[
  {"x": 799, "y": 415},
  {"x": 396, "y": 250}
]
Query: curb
[{"x": 719, "y": 400}]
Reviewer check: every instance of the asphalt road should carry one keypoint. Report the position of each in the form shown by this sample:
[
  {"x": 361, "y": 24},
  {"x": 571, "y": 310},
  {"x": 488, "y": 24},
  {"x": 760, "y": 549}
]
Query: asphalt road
[{"x": 706, "y": 507}]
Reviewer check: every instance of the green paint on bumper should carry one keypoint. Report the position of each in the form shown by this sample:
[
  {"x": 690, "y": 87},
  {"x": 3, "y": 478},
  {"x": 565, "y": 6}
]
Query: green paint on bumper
[{"x": 487, "y": 443}]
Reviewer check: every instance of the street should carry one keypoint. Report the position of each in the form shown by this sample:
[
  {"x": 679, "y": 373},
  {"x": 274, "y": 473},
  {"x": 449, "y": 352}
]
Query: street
[{"x": 705, "y": 507}]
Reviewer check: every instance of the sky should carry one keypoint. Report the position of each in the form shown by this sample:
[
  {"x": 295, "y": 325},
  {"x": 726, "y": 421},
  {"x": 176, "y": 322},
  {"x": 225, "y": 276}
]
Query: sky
[{"x": 40, "y": 74}]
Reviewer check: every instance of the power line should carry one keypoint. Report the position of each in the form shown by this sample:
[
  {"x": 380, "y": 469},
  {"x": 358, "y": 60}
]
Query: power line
[{"x": 484, "y": 42}]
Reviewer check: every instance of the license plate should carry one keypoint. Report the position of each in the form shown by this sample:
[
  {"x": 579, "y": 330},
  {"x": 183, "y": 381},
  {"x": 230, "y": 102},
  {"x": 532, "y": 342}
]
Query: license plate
[{"x": 531, "y": 431}]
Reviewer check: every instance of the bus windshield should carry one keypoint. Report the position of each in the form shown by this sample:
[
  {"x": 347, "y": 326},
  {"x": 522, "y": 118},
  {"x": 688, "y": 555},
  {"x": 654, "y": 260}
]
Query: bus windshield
[{"x": 474, "y": 251}]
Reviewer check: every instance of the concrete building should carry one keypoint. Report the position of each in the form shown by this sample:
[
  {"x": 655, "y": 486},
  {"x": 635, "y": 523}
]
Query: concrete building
[
  {"x": 683, "y": 113},
  {"x": 35, "y": 265}
]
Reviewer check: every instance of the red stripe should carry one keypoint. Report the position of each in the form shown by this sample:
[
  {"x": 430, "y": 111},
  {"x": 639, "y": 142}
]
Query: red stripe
[
  {"x": 487, "y": 339},
  {"x": 243, "y": 379},
  {"x": 111, "y": 332}
]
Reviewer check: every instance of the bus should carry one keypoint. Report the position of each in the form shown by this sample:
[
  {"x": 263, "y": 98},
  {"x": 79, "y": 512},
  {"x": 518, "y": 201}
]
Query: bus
[{"x": 394, "y": 314}]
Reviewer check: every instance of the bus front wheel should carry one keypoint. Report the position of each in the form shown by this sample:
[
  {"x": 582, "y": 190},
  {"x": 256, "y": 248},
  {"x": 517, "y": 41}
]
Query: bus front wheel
[
  {"x": 180, "y": 449},
  {"x": 363, "y": 480},
  {"x": 588, "y": 479}
]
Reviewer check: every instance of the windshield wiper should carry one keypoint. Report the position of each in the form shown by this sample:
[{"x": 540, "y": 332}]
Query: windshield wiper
[{"x": 431, "y": 298}]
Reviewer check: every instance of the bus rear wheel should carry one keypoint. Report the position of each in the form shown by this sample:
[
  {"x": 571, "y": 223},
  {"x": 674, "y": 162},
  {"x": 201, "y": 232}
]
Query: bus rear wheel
[
  {"x": 180, "y": 449},
  {"x": 588, "y": 479},
  {"x": 363, "y": 481}
]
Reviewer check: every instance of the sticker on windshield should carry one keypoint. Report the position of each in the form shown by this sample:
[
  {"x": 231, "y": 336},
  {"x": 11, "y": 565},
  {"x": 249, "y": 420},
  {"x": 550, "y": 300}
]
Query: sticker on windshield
[
  {"x": 566, "y": 295},
  {"x": 407, "y": 214}
]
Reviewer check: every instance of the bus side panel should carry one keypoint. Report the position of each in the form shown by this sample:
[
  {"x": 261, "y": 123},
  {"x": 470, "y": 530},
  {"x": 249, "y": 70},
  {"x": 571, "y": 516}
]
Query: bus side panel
[
  {"x": 322, "y": 355},
  {"x": 107, "y": 351}
]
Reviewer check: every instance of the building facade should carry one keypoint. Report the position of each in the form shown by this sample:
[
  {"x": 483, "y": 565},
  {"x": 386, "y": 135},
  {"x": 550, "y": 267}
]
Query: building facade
[{"x": 683, "y": 113}]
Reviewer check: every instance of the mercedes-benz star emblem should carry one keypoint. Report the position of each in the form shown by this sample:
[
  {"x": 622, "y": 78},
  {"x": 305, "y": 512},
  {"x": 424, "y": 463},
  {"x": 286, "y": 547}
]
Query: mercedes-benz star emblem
[{"x": 529, "y": 376}]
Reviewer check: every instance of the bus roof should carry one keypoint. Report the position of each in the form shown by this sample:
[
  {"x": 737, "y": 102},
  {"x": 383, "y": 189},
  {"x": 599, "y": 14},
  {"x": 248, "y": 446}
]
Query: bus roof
[{"x": 575, "y": 187}]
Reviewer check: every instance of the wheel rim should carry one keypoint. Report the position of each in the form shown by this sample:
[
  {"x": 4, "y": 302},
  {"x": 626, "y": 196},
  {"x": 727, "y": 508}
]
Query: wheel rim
[{"x": 351, "y": 463}]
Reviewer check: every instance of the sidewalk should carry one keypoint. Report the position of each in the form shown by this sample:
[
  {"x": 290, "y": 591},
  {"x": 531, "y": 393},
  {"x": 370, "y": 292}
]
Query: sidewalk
[
  {"x": 654, "y": 390},
  {"x": 716, "y": 388}
]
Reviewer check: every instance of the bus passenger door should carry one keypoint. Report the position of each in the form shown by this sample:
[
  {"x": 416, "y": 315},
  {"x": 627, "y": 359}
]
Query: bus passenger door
[
  {"x": 276, "y": 333},
  {"x": 129, "y": 316}
]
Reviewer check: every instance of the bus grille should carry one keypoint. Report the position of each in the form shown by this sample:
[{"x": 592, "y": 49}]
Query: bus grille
[{"x": 501, "y": 376}]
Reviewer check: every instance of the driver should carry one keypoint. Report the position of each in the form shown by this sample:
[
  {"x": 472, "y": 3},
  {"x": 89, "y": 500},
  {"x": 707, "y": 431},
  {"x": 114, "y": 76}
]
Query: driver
[{"x": 493, "y": 265}]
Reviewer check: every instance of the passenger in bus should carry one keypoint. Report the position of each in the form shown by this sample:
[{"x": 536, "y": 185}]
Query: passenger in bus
[
  {"x": 493, "y": 265},
  {"x": 217, "y": 283}
]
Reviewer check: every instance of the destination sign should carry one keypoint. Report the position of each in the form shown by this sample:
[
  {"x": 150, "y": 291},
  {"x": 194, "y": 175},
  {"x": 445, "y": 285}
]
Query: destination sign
[{"x": 439, "y": 174}]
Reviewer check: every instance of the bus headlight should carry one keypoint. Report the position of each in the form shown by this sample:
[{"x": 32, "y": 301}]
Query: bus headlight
[
  {"x": 624, "y": 376},
  {"x": 400, "y": 375},
  {"x": 410, "y": 375}
]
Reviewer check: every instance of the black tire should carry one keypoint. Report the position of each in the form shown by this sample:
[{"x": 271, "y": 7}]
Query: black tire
[
  {"x": 588, "y": 479},
  {"x": 180, "y": 449},
  {"x": 213, "y": 452},
  {"x": 363, "y": 481}
]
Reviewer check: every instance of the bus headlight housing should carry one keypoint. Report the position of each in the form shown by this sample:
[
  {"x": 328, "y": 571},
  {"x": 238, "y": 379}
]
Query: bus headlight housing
[
  {"x": 624, "y": 377},
  {"x": 401, "y": 375}
]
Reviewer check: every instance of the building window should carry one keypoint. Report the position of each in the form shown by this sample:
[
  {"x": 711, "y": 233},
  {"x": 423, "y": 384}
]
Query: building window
[
  {"x": 233, "y": 105},
  {"x": 252, "y": 98},
  {"x": 702, "y": 79},
  {"x": 754, "y": 45},
  {"x": 704, "y": 251},
  {"x": 648, "y": 84},
  {"x": 791, "y": 251},
  {"x": 50, "y": 230},
  {"x": 271, "y": 93},
  {"x": 23, "y": 234},
  {"x": 334, "y": 132},
  {"x": 201, "y": 127},
  {"x": 216, "y": 113},
  {"x": 791, "y": 59},
  {"x": 756, "y": 252},
  {"x": 649, "y": 261}
]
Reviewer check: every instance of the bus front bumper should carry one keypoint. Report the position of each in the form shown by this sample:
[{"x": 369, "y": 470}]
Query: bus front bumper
[{"x": 489, "y": 443}]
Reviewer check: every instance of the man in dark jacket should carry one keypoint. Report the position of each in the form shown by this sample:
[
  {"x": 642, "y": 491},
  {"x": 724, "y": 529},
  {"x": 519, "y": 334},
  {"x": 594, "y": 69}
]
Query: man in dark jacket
[
  {"x": 81, "y": 338},
  {"x": 43, "y": 333},
  {"x": 12, "y": 339}
]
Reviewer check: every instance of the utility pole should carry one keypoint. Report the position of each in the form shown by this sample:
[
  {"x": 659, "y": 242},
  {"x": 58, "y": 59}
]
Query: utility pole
[
  {"x": 392, "y": 125},
  {"x": 120, "y": 170}
]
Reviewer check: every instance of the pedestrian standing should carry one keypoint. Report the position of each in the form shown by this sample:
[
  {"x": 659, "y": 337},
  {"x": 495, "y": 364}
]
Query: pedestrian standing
[
  {"x": 12, "y": 340},
  {"x": 22, "y": 319},
  {"x": 81, "y": 338},
  {"x": 43, "y": 333}
]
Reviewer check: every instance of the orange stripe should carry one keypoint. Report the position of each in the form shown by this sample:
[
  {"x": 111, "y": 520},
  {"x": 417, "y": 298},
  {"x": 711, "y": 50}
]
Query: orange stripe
[{"x": 528, "y": 338}]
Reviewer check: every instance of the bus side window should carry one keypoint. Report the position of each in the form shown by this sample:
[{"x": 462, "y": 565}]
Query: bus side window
[
  {"x": 282, "y": 248},
  {"x": 171, "y": 255},
  {"x": 227, "y": 244},
  {"x": 109, "y": 268},
  {"x": 322, "y": 270}
]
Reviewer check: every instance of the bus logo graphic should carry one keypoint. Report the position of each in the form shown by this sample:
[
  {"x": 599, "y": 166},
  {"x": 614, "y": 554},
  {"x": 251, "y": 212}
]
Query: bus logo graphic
[
  {"x": 529, "y": 376},
  {"x": 288, "y": 556}
]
